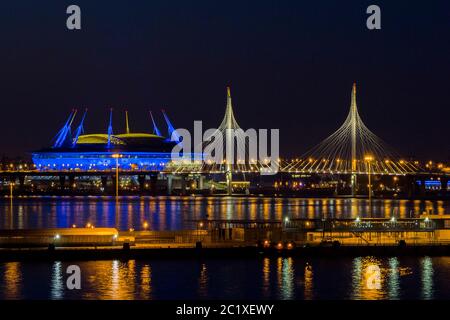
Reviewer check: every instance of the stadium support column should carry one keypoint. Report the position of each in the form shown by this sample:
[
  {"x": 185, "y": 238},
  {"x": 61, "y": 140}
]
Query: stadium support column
[
  {"x": 183, "y": 184},
  {"x": 21, "y": 182},
  {"x": 200, "y": 182},
  {"x": 169, "y": 184},
  {"x": 141, "y": 180},
  {"x": 444, "y": 183},
  {"x": 104, "y": 180},
  {"x": 422, "y": 186},
  {"x": 62, "y": 182},
  {"x": 114, "y": 184},
  {"x": 153, "y": 182},
  {"x": 410, "y": 186},
  {"x": 72, "y": 185}
]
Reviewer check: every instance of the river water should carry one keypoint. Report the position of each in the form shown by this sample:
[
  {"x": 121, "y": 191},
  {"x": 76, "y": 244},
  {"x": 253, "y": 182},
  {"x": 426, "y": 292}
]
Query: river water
[
  {"x": 256, "y": 278},
  {"x": 252, "y": 278},
  {"x": 172, "y": 213}
]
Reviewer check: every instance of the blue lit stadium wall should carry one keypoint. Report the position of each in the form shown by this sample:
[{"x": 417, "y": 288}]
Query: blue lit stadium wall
[{"x": 100, "y": 160}]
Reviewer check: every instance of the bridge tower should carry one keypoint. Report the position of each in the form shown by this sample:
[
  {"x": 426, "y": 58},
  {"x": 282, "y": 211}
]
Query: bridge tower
[
  {"x": 353, "y": 121},
  {"x": 229, "y": 127},
  {"x": 352, "y": 150},
  {"x": 228, "y": 131},
  {"x": 226, "y": 151},
  {"x": 110, "y": 128},
  {"x": 127, "y": 125}
]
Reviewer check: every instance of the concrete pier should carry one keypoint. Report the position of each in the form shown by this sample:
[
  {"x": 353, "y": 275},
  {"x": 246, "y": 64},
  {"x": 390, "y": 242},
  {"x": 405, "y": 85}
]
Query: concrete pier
[{"x": 426, "y": 235}]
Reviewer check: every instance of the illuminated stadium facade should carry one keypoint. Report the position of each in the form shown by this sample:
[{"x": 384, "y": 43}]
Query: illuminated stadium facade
[{"x": 131, "y": 151}]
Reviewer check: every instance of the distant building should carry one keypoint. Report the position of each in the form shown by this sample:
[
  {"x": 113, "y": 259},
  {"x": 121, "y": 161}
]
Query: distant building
[{"x": 102, "y": 151}]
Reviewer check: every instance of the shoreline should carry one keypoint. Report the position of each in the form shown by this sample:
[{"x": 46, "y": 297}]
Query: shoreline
[
  {"x": 191, "y": 252},
  {"x": 100, "y": 197}
]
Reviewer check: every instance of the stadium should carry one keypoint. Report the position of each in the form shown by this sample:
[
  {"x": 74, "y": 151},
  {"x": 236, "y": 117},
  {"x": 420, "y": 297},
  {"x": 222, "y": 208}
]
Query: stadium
[{"x": 75, "y": 150}]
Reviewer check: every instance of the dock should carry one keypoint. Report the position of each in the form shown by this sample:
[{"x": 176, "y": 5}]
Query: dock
[{"x": 426, "y": 235}]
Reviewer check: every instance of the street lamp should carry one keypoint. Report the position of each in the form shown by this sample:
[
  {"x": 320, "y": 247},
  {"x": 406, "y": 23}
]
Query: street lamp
[
  {"x": 369, "y": 159},
  {"x": 117, "y": 156},
  {"x": 286, "y": 221},
  {"x": 11, "y": 189},
  {"x": 427, "y": 222},
  {"x": 395, "y": 182}
]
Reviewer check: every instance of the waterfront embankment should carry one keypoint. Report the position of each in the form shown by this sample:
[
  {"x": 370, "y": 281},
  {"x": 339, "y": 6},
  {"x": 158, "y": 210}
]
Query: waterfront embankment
[{"x": 426, "y": 236}]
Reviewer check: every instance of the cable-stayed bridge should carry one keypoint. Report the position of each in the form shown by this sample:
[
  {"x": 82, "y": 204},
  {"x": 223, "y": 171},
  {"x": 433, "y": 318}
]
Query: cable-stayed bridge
[
  {"x": 230, "y": 139},
  {"x": 351, "y": 149},
  {"x": 347, "y": 155}
]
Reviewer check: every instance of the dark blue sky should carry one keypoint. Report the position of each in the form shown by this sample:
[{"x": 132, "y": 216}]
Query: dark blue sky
[{"x": 291, "y": 65}]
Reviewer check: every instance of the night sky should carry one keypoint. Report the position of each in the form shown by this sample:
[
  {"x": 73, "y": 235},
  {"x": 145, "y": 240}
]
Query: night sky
[{"x": 291, "y": 65}]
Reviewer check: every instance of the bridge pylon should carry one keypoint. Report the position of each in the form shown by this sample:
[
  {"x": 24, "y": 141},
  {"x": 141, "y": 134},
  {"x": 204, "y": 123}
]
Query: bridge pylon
[{"x": 352, "y": 150}]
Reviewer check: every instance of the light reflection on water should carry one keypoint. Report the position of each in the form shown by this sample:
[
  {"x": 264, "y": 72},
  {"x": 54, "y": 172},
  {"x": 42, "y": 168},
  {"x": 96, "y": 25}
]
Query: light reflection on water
[
  {"x": 286, "y": 274},
  {"x": 267, "y": 278},
  {"x": 308, "y": 282},
  {"x": 12, "y": 280},
  {"x": 427, "y": 278},
  {"x": 367, "y": 284},
  {"x": 57, "y": 286},
  {"x": 164, "y": 213},
  {"x": 203, "y": 281},
  {"x": 284, "y": 278},
  {"x": 393, "y": 279}
]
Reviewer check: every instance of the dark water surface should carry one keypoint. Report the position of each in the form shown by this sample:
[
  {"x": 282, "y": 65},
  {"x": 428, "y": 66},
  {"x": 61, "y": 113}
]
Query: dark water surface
[
  {"x": 171, "y": 213},
  {"x": 263, "y": 278}
]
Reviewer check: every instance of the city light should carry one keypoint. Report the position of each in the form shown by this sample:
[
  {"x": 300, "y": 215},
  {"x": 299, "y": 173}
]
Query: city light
[{"x": 193, "y": 220}]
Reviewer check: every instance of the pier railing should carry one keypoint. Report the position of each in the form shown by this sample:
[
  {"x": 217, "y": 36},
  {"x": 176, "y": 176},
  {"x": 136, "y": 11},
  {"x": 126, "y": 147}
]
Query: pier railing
[
  {"x": 364, "y": 225},
  {"x": 376, "y": 231}
]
